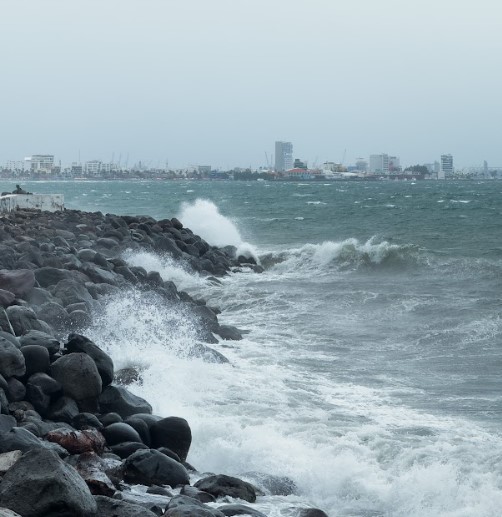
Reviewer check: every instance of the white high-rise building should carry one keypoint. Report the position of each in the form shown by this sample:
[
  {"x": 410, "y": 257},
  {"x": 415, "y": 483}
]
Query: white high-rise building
[
  {"x": 283, "y": 156},
  {"x": 42, "y": 163},
  {"x": 379, "y": 163},
  {"x": 446, "y": 168}
]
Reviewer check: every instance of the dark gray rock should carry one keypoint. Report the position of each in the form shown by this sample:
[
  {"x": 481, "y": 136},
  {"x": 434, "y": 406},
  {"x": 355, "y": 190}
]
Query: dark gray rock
[
  {"x": 79, "y": 376},
  {"x": 86, "y": 421},
  {"x": 310, "y": 512},
  {"x": 20, "y": 439},
  {"x": 108, "y": 507},
  {"x": 64, "y": 409},
  {"x": 141, "y": 427},
  {"x": 174, "y": 433},
  {"x": 6, "y": 298},
  {"x": 18, "y": 281},
  {"x": 104, "y": 363},
  {"x": 151, "y": 467},
  {"x": 7, "y": 422},
  {"x": 11, "y": 359},
  {"x": 41, "y": 389},
  {"x": 38, "y": 338},
  {"x": 36, "y": 359},
  {"x": 53, "y": 314},
  {"x": 47, "y": 276},
  {"x": 183, "y": 506},
  {"x": 70, "y": 291},
  {"x": 272, "y": 485},
  {"x": 110, "y": 418},
  {"x": 127, "y": 376},
  {"x": 15, "y": 390},
  {"x": 125, "y": 449},
  {"x": 5, "y": 326},
  {"x": 222, "y": 485},
  {"x": 120, "y": 432},
  {"x": 39, "y": 296},
  {"x": 92, "y": 469},
  {"x": 119, "y": 400},
  {"x": 228, "y": 332},
  {"x": 41, "y": 484},
  {"x": 201, "y": 496},
  {"x": 24, "y": 319},
  {"x": 239, "y": 509}
]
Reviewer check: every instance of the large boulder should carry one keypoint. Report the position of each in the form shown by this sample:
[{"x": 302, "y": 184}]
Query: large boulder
[
  {"x": 53, "y": 314},
  {"x": 239, "y": 509},
  {"x": 36, "y": 359},
  {"x": 92, "y": 468},
  {"x": 151, "y": 467},
  {"x": 47, "y": 276},
  {"x": 41, "y": 484},
  {"x": 69, "y": 291},
  {"x": 18, "y": 281},
  {"x": 6, "y": 298},
  {"x": 117, "y": 399},
  {"x": 222, "y": 485},
  {"x": 23, "y": 319},
  {"x": 38, "y": 338},
  {"x": 77, "y": 442},
  {"x": 185, "y": 506},
  {"x": 120, "y": 433},
  {"x": 79, "y": 376},
  {"x": 108, "y": 507},
  {"x": 174, "y": 433},
  {"x": 80, "y": 344},
  {"x": 11, "y": 359},
  {"x": 19, "y": 439}
]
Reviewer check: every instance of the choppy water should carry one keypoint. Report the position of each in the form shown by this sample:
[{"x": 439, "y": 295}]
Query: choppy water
[{"x": 371, "y": 375}]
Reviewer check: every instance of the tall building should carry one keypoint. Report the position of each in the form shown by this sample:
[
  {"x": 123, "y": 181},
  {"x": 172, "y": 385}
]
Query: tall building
[
  {"x": 283, "y": 156},
  {"x": 379, "y": 163},
  {"x": 42, "y": 163},
  {"x": 446, "y": 166}
]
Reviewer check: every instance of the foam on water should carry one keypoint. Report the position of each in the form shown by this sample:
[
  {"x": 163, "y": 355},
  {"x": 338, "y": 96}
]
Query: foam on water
[{"x": 204, "y": 218}]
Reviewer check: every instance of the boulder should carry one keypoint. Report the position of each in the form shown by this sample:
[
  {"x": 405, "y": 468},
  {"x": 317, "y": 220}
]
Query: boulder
[
  {"x": 174, "y": 433},
  {"x": 141, "y": 428},
  {"x": 38, "y": 338},
  {"x": 24, "y": 319},
  {"x": 36, "y": 359},
  {"x": 125, "y": 449},
  {"x": 70, "y": 291},
  {"x": 228, "y": 332},
  {"x": 64, "y": 409},
  {"x": 8, "y": 460},
  {"x": 5, "y": 326},
  {"x": 78, "y": 442},
  {"x": 108, "y": 507},
  {"x": 53, "y": 314},
  {"x": 239, "y": 509},
  {"x": 7, "y": 422},
  {"x": 47, "y": 276},
  {"x": 310, "y": 512},
  {"x": 79, "y": 376},
  {"x": 19, "y": 439},
  {"x": 86, "y": 421},
  {"x": 11, "y": 359},
  {"x": 92, "y": 469},
  {"x": 120, "y": 432},
  {"x": 222, "y": 485},
  {"x": 15, "y": 391},
  {"x": 151, "y": 467},
  {"x": 41, "y": 389},
  {"x": 18, "y": 281},
  {"x": 195, "y": 493},
  {"x": 81, "y": 344},
  {"x": 40, "y": 483},
  {"x": 118, "y": 399},
  {"x": 6, "y": 298},
  {"x": 184, "y": 506}
]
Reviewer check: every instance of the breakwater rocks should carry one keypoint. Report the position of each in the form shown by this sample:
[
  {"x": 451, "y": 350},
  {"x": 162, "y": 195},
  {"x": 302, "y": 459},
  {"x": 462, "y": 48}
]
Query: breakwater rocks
[{"x": 74, "y": 440}]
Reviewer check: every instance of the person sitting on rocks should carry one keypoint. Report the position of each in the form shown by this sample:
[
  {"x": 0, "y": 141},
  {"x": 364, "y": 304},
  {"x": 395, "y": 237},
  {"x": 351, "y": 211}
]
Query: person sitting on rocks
[{"x": 19, "y": 190}]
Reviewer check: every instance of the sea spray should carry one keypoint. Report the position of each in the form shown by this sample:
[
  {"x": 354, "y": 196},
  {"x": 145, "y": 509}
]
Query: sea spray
[{"x": 204, "y": 218}]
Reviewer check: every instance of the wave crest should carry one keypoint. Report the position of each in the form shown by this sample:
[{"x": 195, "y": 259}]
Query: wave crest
[{"x": 347, "y": 254}]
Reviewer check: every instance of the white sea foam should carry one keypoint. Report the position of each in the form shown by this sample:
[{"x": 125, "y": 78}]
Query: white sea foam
[{"x": 204, "y": 218}]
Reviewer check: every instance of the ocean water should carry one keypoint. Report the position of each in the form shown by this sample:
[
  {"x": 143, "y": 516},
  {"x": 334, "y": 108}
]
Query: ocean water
[{"x": 371, "y": 375}]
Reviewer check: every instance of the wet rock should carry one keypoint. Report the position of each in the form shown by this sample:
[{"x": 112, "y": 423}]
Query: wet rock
[
  {"x": 125, "y": 449},
  {"x": 174, "y": 433},
  {"x": 64, "y": 409},
  {"x": 151, "y": 467},
  {"x": 19, "y": 439},
  {"x": 110, "y": 418},
  {"x": 78, "y": 442},
  {"x": 127, "y": 376},
  {"x": 195, "y": 493},
  {"x": 6, "y": 298},
  {"x": 79, "y": 376},
  {"x": 118, "y": 399},
  {"x": 40, "y": 483},
  {"x": 141, "y": 427},
  {"x": 92, "y": 469},
  {"x": 310, "y": 512},
  {"x": 120, "y": 432},
  {"x": 11, "y": 359},
  {"x": 47, "y": 276},
  {"x": 41, "y": 389},
  {"x": 24, "y": 319},
  {"x": 8, "y": 460},
  {"x": 222, "y": 485},
  {"x": 171, "y": 454},
  {"x": 239, "y": 509},
  {"x": 19, "y": 282},
  {"x": 273, "y": 485},
  {"x": 53, "y": 314},
  {"x": 108, "y": 507},
  {"x": 70, "y": 291},
  {"x": 15, "y": 391},
  {"x": 36, "y": 359},
  {"x": 86, "y": 421},
  {"x": 183, "y": 506},
  {"x": 7, "y": 422},
  {"x": 37, "y": 338},
  {"x": 5, "y": 326},
  {"x": 228, "y": 332}
]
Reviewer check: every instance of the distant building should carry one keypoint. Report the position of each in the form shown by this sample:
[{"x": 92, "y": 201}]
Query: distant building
[
  {"x": 379, "y": 163},
  {"x": 299, "y": 164},
  {"x": 446, "y": 166},
  {"x": 361, "y": 165},
  {"x": 15, "y": 165},
  {"x": 204, "y": 169},
  {"x": 283, "y": 156},
  {"x": 42, "y": 163},
  {"x": 93, "y": 167}
]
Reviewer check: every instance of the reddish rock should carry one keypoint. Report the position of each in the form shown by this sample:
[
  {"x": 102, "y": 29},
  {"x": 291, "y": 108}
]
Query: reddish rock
[{"x": 78, "y": 442}]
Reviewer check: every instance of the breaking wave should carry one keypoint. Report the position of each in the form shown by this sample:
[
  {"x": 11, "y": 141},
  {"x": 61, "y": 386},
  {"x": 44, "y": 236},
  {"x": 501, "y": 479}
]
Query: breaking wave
[{"x": 348, "y": 254}]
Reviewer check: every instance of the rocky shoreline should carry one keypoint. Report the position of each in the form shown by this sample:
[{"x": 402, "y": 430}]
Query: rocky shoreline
[{"x": 74, "y": 441}]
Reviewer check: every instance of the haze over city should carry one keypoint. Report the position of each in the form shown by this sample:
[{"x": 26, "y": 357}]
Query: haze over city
[{"x": 198, "y": 82}]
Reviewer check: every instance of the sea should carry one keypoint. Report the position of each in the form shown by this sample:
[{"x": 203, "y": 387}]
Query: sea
[{"x": 370, "y": 373}]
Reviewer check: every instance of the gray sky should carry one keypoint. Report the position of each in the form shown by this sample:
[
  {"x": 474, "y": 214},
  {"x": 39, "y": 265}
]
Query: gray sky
[{"x": 218, "y": 81}]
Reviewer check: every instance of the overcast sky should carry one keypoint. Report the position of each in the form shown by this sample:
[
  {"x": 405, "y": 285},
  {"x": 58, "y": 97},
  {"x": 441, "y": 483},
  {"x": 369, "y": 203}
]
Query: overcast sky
[{"x": 218, "y": 81}]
